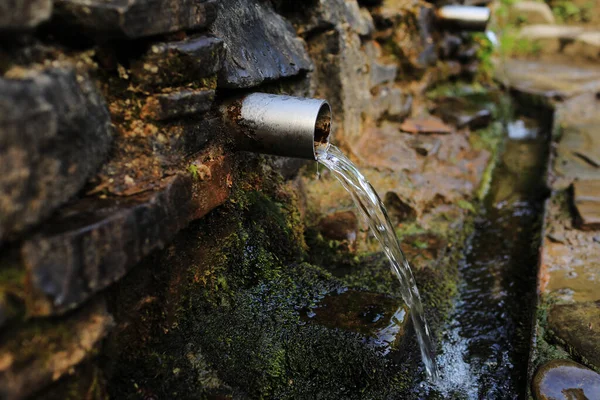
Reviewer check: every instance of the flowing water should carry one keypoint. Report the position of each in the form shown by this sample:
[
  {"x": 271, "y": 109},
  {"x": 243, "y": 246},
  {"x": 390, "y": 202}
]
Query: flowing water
[
  {"x": 485, "y": 349},
  {"x": 373, "y": 210}
]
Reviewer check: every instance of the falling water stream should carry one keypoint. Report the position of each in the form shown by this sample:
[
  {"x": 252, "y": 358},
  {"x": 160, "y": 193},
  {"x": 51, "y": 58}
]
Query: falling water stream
[{"x": 373, "y": 210}]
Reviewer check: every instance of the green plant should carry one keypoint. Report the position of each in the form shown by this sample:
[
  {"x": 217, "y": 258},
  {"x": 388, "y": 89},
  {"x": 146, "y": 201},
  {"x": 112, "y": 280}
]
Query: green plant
[{"x": 567, "y": 11}]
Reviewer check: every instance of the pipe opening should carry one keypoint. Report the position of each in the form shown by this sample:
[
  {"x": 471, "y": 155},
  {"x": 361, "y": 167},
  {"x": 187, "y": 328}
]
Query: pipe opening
[{"x": 322, "y": 126}]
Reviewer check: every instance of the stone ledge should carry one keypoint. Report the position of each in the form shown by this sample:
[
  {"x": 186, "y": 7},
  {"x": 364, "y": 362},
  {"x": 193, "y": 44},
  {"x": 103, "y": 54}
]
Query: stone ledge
[
  {"x": 94, "y": 242},
  {"x": 137, "y": 18},
  {"x": 176, "y": 104},
  {"x": 180, "y": 62}
]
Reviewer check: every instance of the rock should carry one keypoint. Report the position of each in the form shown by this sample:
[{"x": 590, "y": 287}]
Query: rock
[
  {"x": 341, "y": 225},
  {"x": 136, "y": 18},
  {"x": 173, "y": 63},
  {"x": 578, "y": 148},
  {"x": 549, "y": 80},
  {"x": 586, "y": 45},
  {"x": 568, "y": 267},
  {"x": 425, "y": 145},
  {"x": 94, "y": 242},
  {"x": 463, "y": 113},
  {"x": 565, "y": 380},
  {"x": 425, "y": 125},
  {"x": 54, "y": 133},
  {"x": 178, "y": 104},
  {"x": 578, "y": 325},
  {"x": 587, "y": 203},
  {"x": 390, "y": 103},
  {"x": 380, "y": 72},
  {"x": 342, "y": 76},
  {"x": 400, "y": 210},
  {"x": 385, "y": 148},
  {"x": 326, "y": 15},
  {"x": 412, "y": 42},
  {"x": 261, "y": 45},
  {"x": 382, "y": 319},
  {"x": 530, "y": 12},
  {"x": 450, "y": 45},
  {"x": 551, "y": 39},
  {"x": 23, "y": 14},
  {"x": 40, "y": 352}
]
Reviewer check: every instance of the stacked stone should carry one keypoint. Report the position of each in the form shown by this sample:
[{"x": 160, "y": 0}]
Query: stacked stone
[{"x": 111, "y": 141}]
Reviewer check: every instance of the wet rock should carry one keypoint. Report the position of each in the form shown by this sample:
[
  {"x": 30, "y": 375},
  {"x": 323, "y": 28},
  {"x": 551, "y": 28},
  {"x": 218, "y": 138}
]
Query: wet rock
[
  {"x": 587, "y": 203},
  {"x": 530, "y": 12},
  {"x": 54, "y": 133},
  {"x": 400, "y": 210},
  {"x": 565, "y": 380},
  {"x": 425, "y": 125},
  {"x": 261, "y": 45},
  {"x": 41, "y": 352},
  {"x": 462, "y": 113},
  {"x": 90, "y": 245},
  {"x": 425, "y": 146},
  {"x": 382, "y": 319},
  {"x": 568, "y": 267},
  {"x": 136, "y": 18},
  {"x": 578, "y": 325},
  {"x": 172, "y": 63},
  {"x": 341, "y": 225},
  {"x": 23, "y": 14},
  {"x": 385, "y": 148},
  {"x": 178, "y": 104}
]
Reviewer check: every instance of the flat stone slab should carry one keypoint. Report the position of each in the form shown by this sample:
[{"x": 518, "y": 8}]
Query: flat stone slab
[
  {"x": 93, "y": 243},
  {"x": 173, "y": 63},
  {"x": 180, "y": 103},
  {"x": 530, "y": 12},
  {"x": 578, "y": 326},
  {"x": 136, "y": 18},
  {"x": 425, "y": 125},
  {"x": 564, "y": 41},
  {"x": 570, "y": 268},
  {"x": 578, "y": 150},
  {"x": 55, "y": 130},
  {"x": 549, "y": 79},
  {"x": 23, "y": 14},
  {"x": 587, "y": 203},
  {"x": 565, "y": 380},
  {"x": 261, "y": 45}
]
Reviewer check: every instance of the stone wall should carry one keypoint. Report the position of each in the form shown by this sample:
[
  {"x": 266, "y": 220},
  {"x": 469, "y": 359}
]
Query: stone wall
[{"x": 112, "y": 143}]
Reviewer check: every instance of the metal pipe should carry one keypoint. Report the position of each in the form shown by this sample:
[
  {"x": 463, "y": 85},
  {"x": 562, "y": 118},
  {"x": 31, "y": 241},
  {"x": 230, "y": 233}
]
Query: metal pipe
[
  {"x": 466, "y": 18},
  {"x": 280, "y": 125}
]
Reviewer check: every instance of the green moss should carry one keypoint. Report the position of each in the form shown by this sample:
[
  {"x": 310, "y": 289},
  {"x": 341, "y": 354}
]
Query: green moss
[
  {"x": 544, "y": 351},
  {"x": 456, "y": 89}
]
